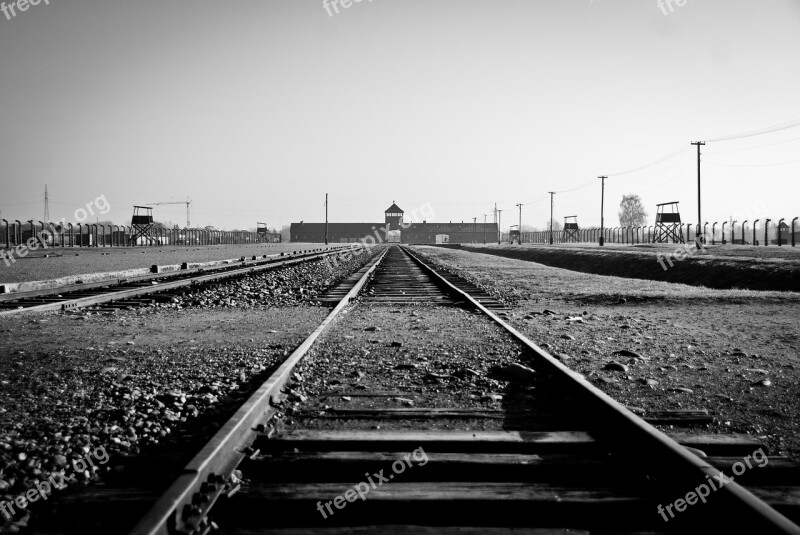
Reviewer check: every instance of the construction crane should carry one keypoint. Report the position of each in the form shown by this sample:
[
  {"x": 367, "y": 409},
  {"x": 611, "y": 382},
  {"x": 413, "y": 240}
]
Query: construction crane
[{"x": 187, "y": 202}]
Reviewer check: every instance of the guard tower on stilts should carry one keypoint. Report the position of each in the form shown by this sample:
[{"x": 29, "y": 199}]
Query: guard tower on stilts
[
  {"x": 141, "y": 225},
  {"x": 668, "y": 224},
  {"x": 261, "y": 232},
  {"x": 571, "y": 229}
]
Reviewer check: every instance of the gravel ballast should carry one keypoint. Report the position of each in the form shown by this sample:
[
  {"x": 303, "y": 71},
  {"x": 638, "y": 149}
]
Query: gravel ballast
[
  {"x": 417, "y": 356},
  {"x": 57, "y": 262},
  {"x": 734, "y": 353},
  {"x": 136, "y": 382}
]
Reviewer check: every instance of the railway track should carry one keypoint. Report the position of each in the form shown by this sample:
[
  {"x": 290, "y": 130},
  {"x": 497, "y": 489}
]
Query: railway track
[
  {"x": 304, "y": 457},
  {"x": 409, "y": 440},
  {"x": 400, "y": 279},
  {"x": 147, "y": 289}
]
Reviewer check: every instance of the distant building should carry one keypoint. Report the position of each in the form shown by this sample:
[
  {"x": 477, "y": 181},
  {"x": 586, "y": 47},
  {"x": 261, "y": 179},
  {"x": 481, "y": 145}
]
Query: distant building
[
  {"x": 394, "y": 230},
  {"x": 786, "y": 234}
]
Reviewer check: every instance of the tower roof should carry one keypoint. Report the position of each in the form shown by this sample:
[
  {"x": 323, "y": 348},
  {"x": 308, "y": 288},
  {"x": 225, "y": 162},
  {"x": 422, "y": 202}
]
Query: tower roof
[{"x": 394, "y": 208}]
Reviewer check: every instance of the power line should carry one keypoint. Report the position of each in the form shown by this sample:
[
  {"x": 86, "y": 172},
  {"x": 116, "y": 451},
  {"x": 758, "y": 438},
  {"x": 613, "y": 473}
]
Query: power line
[
  {"x": 752, "y": 148},
  {"x": 535, "y": 202},
  {"x": 681, "y": 163},
  {"x": 753, "y": 165},
  {"x": 766, "y": 130},
  {"x": 656, "y": 162},
  {"x": 585, "y": 185}
]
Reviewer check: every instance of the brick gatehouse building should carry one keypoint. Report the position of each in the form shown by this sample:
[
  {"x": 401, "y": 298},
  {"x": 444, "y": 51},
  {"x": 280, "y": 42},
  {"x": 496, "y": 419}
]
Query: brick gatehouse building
[{"x": 393, "y": 229}]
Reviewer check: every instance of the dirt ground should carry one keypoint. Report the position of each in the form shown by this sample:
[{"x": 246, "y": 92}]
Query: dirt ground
[
  {"x": 732, "y": 352},
  {"x": 712, "y": 266}
]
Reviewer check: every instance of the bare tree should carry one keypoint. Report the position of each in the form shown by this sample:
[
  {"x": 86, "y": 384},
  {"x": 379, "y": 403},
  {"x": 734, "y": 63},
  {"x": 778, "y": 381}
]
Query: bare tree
[
  {"x": 556, "y": 224},
  {"x": 631, "y": 211}
]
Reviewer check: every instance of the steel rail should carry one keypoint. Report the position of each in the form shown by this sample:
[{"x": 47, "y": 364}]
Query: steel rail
[
  {"x": 679, "y": 462},
  {"x": 112, "y": 295},
  {"x": 197, "y": 267},
  {"x": 177, "y": 511}
]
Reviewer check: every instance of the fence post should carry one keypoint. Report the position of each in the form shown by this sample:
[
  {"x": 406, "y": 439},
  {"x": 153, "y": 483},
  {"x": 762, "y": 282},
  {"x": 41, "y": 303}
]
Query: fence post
[
  {"x": 40, "y": 237},
  {"x": 779, "y": 231},
  {"x": 766, "y": 232},
  {"x": 755, "y": 223}
]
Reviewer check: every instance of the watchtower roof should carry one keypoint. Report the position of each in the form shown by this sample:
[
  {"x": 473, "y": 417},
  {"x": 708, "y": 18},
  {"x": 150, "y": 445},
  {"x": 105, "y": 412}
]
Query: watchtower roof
[{"x": 394, "y": 209}]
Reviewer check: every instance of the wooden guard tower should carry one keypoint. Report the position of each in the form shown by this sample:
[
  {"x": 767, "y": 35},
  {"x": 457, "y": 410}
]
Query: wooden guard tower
[
  {"x": 668, "y": 224},
  {"x": 141, "y": 224},
  {"x": 261, "y": 233},
  {"x": 571, "y": 229}
]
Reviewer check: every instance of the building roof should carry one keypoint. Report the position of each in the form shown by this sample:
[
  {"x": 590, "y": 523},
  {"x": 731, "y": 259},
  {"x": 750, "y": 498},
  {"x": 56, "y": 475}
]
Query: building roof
[
  {"x": 341, "y": 228},
  {"x": 367, "y": 228},
  {"x": 394, "y": 208},
  {"x": 442, "y": 228}
]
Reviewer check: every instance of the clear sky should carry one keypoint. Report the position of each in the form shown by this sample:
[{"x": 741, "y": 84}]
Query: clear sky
[{"x": 256, "y": 109}]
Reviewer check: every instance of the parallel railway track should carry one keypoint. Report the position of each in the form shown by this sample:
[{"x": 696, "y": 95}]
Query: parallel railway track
[
  {"x": 143, "y": 289},
  {"x": 572, "y": 459}
]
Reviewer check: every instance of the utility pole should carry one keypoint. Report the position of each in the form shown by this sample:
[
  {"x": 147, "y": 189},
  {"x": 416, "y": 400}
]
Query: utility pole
[
  {"x": 46, "y": 206},
  {"x": 551, "y": 215},
  {"x": 602, "y": 199},
  {"x": 474, "y": 229},
  {"x": 484, "y": 229},
  {"x": 520, "y": 223},
  {"x": 699, "y": 219},
  {"x": 499, "y": 232},
  {"x": 326, "y": 219}
]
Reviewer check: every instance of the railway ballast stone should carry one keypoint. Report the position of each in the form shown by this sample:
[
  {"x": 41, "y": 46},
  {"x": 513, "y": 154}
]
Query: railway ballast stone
[{"x": 514, "y": 372}]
